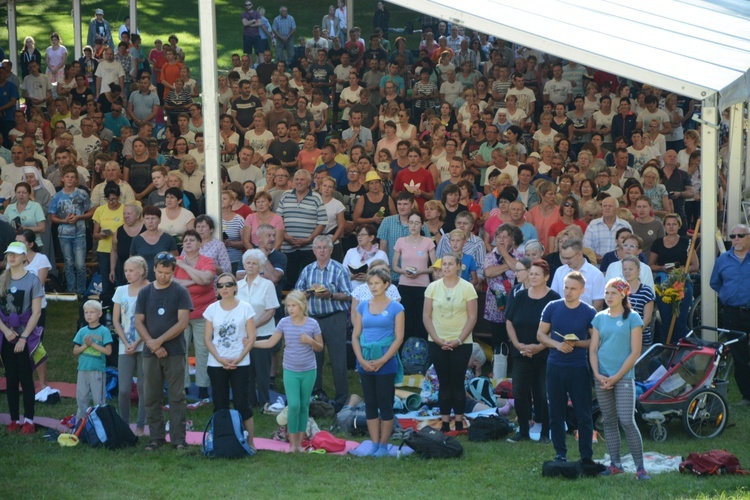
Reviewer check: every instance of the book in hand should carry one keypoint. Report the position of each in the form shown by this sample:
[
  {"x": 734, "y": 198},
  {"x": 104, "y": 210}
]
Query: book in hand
[
  {"x": 316, "y": 289},
  {"x": 358, "y": 270},
  {"x": 571, "y": 337}
]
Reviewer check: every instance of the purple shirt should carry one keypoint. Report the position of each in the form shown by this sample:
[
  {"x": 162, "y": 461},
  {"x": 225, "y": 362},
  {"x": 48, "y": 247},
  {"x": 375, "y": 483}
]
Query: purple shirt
[
  {"x": 252, "y": 31},
  {"x": 298, "y": 357}
]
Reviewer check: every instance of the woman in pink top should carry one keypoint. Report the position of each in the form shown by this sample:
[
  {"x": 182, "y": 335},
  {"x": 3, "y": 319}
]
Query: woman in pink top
[
  {"x": 547, "y": 213},
  {"x": 309, "y": 154},
  {"x": 411, "y": 260},
  {"x": 262, "y": 215}
]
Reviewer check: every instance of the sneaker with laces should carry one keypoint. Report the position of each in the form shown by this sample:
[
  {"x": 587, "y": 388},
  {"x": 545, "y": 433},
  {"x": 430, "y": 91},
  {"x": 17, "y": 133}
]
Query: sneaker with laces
[
  {"x": 642, "y": 475},
  {"x": 28, "y": 428},
  {"x": 517, "y": 438},
  {"x": 612, "y": 470},
  {"x": 13, "y": 427},
  {"x": 561, "y": 458}
]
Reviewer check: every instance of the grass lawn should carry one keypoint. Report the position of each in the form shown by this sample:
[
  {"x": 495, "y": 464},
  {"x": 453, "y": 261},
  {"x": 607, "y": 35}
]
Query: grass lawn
[{"x": 497, "y": 468}]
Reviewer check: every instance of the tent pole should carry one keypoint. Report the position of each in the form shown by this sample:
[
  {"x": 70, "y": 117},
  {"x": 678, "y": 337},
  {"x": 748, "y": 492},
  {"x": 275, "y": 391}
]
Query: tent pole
[
  {"x": 734, "y": 176},
  {"x": 77, "y": 32},
  {"x": 13, "y": 36},
  {"x": 133, "y": 16},
  {"x": 709, "y": 193}
]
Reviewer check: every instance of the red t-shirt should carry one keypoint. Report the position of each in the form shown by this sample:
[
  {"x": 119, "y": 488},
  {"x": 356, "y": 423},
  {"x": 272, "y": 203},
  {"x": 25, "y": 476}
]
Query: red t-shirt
[
  {"x": 421, "y": 177},
  {"x": 557, "y": 227},
  {"x": 202, "y": 295}
]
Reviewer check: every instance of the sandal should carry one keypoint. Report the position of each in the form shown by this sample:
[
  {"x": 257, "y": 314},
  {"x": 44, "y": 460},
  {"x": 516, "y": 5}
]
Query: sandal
[
  {"x": 181, "y": 446},
  {"x": 152, "y": 446}
]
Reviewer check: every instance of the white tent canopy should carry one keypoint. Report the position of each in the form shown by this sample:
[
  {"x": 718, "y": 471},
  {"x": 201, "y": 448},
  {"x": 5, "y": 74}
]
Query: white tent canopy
[{"x": 694, "y": 48}]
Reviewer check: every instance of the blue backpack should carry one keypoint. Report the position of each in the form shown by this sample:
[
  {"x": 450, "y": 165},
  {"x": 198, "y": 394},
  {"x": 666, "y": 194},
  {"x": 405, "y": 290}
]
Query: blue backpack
[
  {"x": 414, "y": 356},
  {"x": 224, "y": 436}
]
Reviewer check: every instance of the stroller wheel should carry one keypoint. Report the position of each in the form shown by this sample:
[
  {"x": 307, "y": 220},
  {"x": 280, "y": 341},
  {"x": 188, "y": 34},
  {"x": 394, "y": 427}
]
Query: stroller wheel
[
  {"x": 705, "y": 414},
  {"x": 659, "y": 433}
]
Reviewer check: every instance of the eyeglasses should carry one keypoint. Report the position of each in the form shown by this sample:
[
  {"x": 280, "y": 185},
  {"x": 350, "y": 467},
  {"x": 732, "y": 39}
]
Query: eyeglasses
[
  {"x": 225, "y": 285},
  {"x": 629, "y": 245},
  {"x": 164, "y": 256},
  {"x": 739, "y": 235}
]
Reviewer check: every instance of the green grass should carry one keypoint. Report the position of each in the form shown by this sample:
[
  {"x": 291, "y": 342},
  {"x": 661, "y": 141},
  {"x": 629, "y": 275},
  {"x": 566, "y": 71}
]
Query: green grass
[{"x": 487, "y": 469}]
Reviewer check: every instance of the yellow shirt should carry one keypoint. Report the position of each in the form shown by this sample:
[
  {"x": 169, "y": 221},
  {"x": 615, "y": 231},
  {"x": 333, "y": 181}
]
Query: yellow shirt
[
  {"x": 449, "y": 308},
  {"x": 108, "y": 219}
]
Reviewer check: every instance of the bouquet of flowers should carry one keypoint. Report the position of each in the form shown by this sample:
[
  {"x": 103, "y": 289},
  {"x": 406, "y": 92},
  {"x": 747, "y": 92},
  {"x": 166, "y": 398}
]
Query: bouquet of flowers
[{"x": 672, "y": 290}]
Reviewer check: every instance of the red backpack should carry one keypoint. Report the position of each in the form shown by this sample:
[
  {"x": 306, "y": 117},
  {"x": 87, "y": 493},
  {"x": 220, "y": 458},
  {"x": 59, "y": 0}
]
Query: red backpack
[{"x": 712, "y": 463}]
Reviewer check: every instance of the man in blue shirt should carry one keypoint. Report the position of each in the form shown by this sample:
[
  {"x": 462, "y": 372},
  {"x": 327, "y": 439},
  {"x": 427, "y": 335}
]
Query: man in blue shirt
[
  {"x": 729, "y": 279},
  {"x": 335, "y": 169},
  {"x": 284, "y": 28},
  {"x": 568, "y": 372},
  {"x": 8, "y": 99}
]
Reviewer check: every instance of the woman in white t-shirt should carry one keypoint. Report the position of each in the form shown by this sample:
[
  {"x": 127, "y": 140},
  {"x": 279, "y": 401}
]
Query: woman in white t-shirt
[
  {"x": 259, "y": 138},
  {"x": 130, "y": 357},
  {"x": 229, "y": 336},
  {"x": 335, "y": 216}
]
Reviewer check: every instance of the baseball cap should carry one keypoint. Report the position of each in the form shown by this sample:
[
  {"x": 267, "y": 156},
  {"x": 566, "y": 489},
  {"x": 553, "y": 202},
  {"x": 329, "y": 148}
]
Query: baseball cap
[
  {"x": 99, "y": 12},
  {"x": 535, "y": 155},
  {"x": 16, "y": 247}
]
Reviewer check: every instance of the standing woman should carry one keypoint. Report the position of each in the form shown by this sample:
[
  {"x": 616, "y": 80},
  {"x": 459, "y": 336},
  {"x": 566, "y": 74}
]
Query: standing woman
[
  {"x": 130, "y": 358},
  {"x": 450, "y": 313},
  {"x": 499, "y": 269},
  {"x": 412, "y": 256},
  {"x": 231, "y": 227},
  {"x": 107, "y": 220},
  {"x": 375, "y": 205},
  {"x": 29, "y": 212},
  {"x": 335, "y": 215},
  {"x": 377, "y": 335},
  {"x": 530, "y": 356},
  {"x": 136, "y": 171},
  {"x": 260, "y": 293},
  {"x": 228, "y": 351},
  {"x": 121, "y": 240},
  {"x": 262, "y": 215},
  {"x": 20, "y": 304},
  {"x": 641, "y": 296},
  {"x": 54, "y": 58},
  {"x": 152, "y": 241},
  {"x": 28, "y": 54},
  {"x": 363, "y": 254},
  {"x": 615, "y": 347},
  {"x": 210, "y": 246},
  {"x": 302, "y": 339}
]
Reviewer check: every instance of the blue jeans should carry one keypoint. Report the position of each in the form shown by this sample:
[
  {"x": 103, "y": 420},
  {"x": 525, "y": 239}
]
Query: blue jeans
[
  {"x": 288, "y": 46},
  {"x": 108, "y": 288},
  {"x": 564, "y": 381},
  {"x": 74, "y": 254}
]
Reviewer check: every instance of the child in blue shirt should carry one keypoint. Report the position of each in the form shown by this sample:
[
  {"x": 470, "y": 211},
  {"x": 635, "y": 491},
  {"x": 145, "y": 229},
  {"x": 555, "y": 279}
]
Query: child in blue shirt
[
  {"x": 468, "y": 264},
  {"x": 92, "y": 345}
]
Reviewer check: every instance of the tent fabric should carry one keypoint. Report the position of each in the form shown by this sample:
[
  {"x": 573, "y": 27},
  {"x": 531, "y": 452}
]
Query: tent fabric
[{"x": 694, "y": 48}]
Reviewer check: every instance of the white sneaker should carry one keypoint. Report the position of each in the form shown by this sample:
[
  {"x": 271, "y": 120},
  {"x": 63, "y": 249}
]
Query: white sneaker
[
  {"x": 41, "y": 396},
  {"x": 278, "y": 406}
]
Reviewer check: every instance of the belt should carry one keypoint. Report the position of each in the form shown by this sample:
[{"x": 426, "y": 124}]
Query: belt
[
  {"x": 735, "y": 308},
  {"x": 324, "y": 316}
]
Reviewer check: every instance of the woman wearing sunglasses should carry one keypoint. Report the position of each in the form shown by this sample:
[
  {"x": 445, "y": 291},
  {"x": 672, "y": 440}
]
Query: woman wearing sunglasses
[{"x": 229, "y": 350}]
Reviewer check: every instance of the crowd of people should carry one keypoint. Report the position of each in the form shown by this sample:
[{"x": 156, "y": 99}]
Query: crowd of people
[{"x": 394, "y": 186}]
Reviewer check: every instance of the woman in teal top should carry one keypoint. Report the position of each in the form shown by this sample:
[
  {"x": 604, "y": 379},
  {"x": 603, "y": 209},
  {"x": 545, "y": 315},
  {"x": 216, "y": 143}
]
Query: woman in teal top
[
  {"x": 615, "y": 347},
  {"x": 378, "y": 333},
  {"x": 29, "y": 212}
]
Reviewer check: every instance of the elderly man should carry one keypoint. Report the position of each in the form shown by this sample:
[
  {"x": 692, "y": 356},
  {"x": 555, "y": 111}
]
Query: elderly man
[
  {"x": 162, "y": 313},
  {"x": 284, "y": 28},
  {"x": 729, "y": 279},
  {"x": 571, "y": 256},
  {"x": 112, "y": 173},
  {"x": 13, "y": 173},
  {"x": 518, "y": 219},
  {"x": 87, "y": 143},
  {"x": 600, "y": 234},
  {"x": 304, "y": 218},
  {"x": 329, "y": 291},
  {"x": 679, "y": 186}
]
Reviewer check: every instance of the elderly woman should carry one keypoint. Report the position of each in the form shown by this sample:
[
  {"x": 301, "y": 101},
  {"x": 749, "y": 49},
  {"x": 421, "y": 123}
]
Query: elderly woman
[
  {"x": 357, "y": 260},
  {"x": 656, "y": 192},
  {"x": 434, "y": 215},
  {"x": 374, "y": 206},
  {"x": 210, "y": 246},
  {"x": 175, "y": 219},
  {"x": 499, "y": 270},
  {"x": 152, "y": 241},
  {"x": 262, "y": 215},
  {"x": 122, "y": 238},
  {"x": 196, "y": 272},
  {"x": 260, "y": 293},
  {"x": 175, "y": 179},
  {"x": 191, "y": 175},
  {"x": 449, "y": 316},
  {"x": 107, "y": 220},
  {"x": 498, "y": 216},
  {"x": 547, "y": 213},
  {"x": 530, "y": 356}
]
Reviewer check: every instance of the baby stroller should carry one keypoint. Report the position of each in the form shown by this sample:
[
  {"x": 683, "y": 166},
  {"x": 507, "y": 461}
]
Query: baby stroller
[{"x": 689, "y": 381}]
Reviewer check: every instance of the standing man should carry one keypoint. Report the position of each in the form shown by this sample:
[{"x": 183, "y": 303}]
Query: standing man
[
  {"x": 244, "y": 108},
  {"x": 525, "y": 96},
  {"x": 328, "y": 306},
  {"x": 245, "y": 170},
  {"x": 8, "y": 98},
  {"x": 162, "y": 313},
  {"x": 109, "y": 71},
  {"x": 143, "y": 106},
  {"x": 571, "y": 256},
  {"x": 558, "y": 90},
  {"x": 729, "y": 279},
  {"x": 284, "y": 28},
  {"x": 568, "y": 374},
  {"x": 304, "y": 218},
  {"x": 251, "y": 30},
  {"x": 356, "y": 134},
  {"x": 679, "y": 186},
  {"x": 36, "y": 88},
  {"x": 283, "y": 149},
  {"x": 600, "y": 235},
  {"x": 98, "y": 27}
]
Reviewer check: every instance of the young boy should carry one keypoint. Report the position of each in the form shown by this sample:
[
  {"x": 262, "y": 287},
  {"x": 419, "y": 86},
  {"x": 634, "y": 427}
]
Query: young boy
[
  {"x": 92, "y": 345},
  {"x": 69, "y": 209},
  {"x": 468, "y": 264}
]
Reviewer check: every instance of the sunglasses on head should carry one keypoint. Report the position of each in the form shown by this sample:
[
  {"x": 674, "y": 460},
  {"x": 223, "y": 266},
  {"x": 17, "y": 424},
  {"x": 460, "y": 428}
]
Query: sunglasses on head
[{"x": 165, "y": 256}]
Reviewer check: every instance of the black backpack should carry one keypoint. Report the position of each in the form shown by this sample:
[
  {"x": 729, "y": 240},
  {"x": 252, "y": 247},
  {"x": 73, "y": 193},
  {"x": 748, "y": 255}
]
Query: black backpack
[
  {"x": 572, "y": 470},
  {"x": 431, "y": 443},
  {"x": 489, "y": 428},
  {"x": 224, "y": 436},
  {"x": 104, "y": 427},
  {"x": 414, "y": 356}
]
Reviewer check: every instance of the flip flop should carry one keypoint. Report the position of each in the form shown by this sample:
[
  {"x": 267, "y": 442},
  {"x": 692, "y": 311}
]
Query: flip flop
[
  {"x": 181, "y": 446},
  {"x": 152, "y": 446}
]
